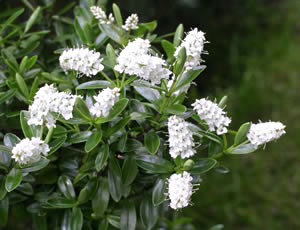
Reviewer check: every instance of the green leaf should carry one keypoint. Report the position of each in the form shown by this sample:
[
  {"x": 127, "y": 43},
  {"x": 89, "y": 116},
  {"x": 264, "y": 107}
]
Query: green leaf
[
  {"x": 244, "y": 149},
  {"x": 7, "y": 95},
  {"x": 13, "y": 179},
  {"x": 61, "y": 202},
  {"x": 148, "y": 213},
  {"x": 178, "y": 36},
  {"x": 27, "y": 131},
  {"x": 39, "y": 222},
  {"x": 150, "y": 26},
  {"x": 10, "y": 140},
  {"x": 33, "y": 18},
  {"x": 114, "y": 34},
  {"x": 114, "y": 185},
  {"x": 36, "y": 166},
  {"x": 66, "y": 187},
  {"x": 82, "y": 109},
  {"x": 66, "y": 220},
  {"x": 102, "y": 157},
  {"x": 117, "y": 14},
  {"x": 189, "y": 76},
  {"x": 176, "y": 109},
  {"x": 110, "y": 53},
  {"x": 4, "y": 207},
  {"x": 23, "y": 64},
  {"x": 3, "y": 191},
  {"x": 104, "y": 224},
  {"x": 79, "y": 137},
  {"x": 150, "y": 94},
  {"x": 222, "y": 102},
  {"x": 4, "y": 148},
  {"x": 116, "y": 110},
  {"x": 129, "y": 170},
  {"x": 114, "y": 221},
  {"x": 34, "y": 88},
  {"x": 203, "y": 165},
  {"x": 25, "y": 188},
  {"x": 159, "y": 192},
  {"x": 88, "y": 192},
  {"x": 97, "y": 84},
  {"x": 115, "y": 128},
  {"x": 56, "y": 144},
  {"x": 241, "y": 134},
  {"x": 128, "y": 216},
  {"x": 76, "y": 219},
  {"x": 11, "y": 19},
  {"x": 22, "y": 85},
  {"x": 114, "y": 165},
  {"x": 93, "y": 140},
  {"x": 10, "y": 59},
  {"x": 152, "y": 142},
  {"x": 180, "y": 61},
  {"x": 217, "y": 227},
  {"x": 101, "y": 199},
  {"x": 79, "y": 31},
  {"x": 139, "y": 115},
  {"x": 168, "y": 48},
  {"x": 154, "y": 164}
]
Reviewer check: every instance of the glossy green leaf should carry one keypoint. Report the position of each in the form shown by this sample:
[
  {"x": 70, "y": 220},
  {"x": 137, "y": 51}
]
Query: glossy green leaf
[
  {"x": 66, "y": 187},
  {"x": 148, "y": 213},
  {"x": 116, "y": 127},
  {"x": 7, "y": 95},
  {"x": 96, "y": 84},
  {"x": 114, "y": 221},
  {"x": 117, "y": 14},
  {"x": 61, "y": 202},
  {"x": 241, "y": 134},
  {"x": 101, "y": 199},
  {"x": 152, "y": 142},
  {"x": 33, "y": 19},
  {"x": 110, "y": 53},
  {"x": 13, "y": 179},
  {"x": 88, "y": 192},
  {"x": 79, "y": 137},
  {"x": 4, "y": 148},
  {"x": 189, "y": 76},
  {"x": 114, "y": 185},
  {"x": 180, "y": 61},
  {"x": 82, "y": 109},
  {"x": 66, "y": 220},
  {"x": 4, "y": 207},
  {"x": 10, "y": 140},
  {"x": 129, "y": 170},
  {"x": 128, "y": 216},
  {"x": 203, "y": 165},
  {"x": 150, "y": 26},
  {"x": 178, "y": 36},
  {"x": 93, "y": 140},
  {"x": 34, "y": 88},
  {"x": 114, "y": 34},
  {"x": 168, "y": 48},
  {"x": 116, "y": 110},
  {"x": 76, "y": 219},
  {"x": 176, "y": 109},
  {"x": 23, "y": 64},
  {"x": 244, "y": 149},
  {"x": 154, "y": 164},
  {"x": 22, "y": 85},
  {"x": 222, "y": 102},
  {"x": 150, "y": 94},
  {"x": 25, "y": 188},
  {"x": 114, "y": 165},
  {"x": 57, "y": 143},
  {"x": 39, "y": 222},
  {"x": 27, "y": 131},
  {"x": 217, "y": 227},
  {"x": 159, "y": 192},
  {"x": 3, "y": 191},
  {"x": 102, "y": 157}
]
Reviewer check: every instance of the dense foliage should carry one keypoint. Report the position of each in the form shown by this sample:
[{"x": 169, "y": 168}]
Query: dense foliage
[{"x": 110, "y": 156}]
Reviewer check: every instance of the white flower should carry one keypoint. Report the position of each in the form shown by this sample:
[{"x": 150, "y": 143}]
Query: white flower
[
  {"x": 180, "y": 138},
  {"x": 180, "y": 190},
  {"x": 264, "y": 132},
  {"x": 135, "y": 59},
  {"x": 101, "y": 15},
  {"x": 83, "y": 60},
  {"x": 194, "y": 44},
  {"x": 212, "y": 114},
  {"x": 131, "y": 22},
  {"x": 105, "y": 100},
  {"x": 48, "y": 100},
  {"x": 29, "y": 150}
]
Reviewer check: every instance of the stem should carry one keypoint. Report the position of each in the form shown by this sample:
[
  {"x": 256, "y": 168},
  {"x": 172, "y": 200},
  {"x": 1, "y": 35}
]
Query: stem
[
  {"x": 235, "y": 147},
  {"x": 225, "y": 141},
  {"x": 163, "y": 104},
  {"x": 49, "y": 135},
  {"x": 41, "y": 132},
  {"x": 123, "y": 80},
  {"x": 107, "y": 78}
]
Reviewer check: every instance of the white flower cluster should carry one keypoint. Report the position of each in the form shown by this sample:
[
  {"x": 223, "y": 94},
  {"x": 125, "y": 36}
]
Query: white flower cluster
[
  {"x": 212, "y": 114},
  {"x": 101, "y": 15},
  {"x": 105, "y": 100},
  {"x": 194, "y": 45},
  {"x": 180, "y": 138},
  {"x": 83, "y": 60},
  {"x": 180, "y": 190},
  {"x": 131, "y": 22},
  {"x": 48, "y": 100},
  {"x": 264, "y": 132},
  {"x": 135, "y": 59},
  {"x": 29, "y": 150}
]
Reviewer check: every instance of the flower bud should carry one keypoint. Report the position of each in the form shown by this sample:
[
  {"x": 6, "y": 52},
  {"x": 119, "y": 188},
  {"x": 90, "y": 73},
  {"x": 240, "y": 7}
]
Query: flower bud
[{"x": 188, "y": 164}]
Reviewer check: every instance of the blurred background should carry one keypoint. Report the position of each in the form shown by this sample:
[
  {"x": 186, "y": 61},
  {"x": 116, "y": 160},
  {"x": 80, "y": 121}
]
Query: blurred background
[{"x": 254, "y": 59}]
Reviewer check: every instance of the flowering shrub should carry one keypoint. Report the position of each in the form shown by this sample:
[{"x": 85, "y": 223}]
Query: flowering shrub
[{"x": 107, "y": 132}]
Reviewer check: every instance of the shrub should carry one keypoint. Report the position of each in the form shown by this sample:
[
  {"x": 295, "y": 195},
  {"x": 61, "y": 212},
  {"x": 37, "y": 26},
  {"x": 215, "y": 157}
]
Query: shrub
[{"x": 103, "y": 130}]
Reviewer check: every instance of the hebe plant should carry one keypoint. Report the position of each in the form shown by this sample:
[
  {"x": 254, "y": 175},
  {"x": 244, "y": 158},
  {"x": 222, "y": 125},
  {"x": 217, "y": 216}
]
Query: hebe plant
[{"x": 107, "y": 141}]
